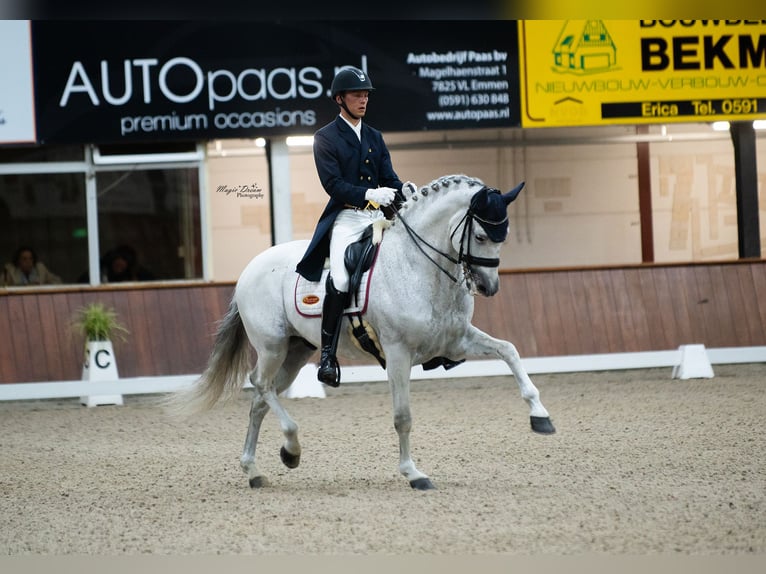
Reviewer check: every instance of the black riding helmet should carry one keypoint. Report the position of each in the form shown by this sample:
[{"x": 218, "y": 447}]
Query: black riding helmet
[{"x": 349, "y": 79}]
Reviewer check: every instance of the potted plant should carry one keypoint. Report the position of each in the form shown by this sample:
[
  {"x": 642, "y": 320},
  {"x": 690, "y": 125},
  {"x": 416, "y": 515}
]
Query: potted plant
[{"x": 99, "y": 325}]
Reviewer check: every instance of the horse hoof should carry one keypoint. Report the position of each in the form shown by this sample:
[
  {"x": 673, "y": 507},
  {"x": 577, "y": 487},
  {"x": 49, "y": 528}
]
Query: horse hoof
[
  {"x": 542, "y": 425},
  {"x": 258, "y": 482},
  {"x": 289, "y": 460},
  {"x": 422, "y": 484}
]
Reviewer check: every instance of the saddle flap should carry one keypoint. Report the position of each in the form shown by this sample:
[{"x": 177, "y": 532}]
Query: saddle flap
[{"x": 360, "y": 253}]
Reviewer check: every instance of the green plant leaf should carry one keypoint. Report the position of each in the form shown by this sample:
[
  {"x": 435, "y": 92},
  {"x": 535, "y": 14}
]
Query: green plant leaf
[{"x": 96, "y": 322}]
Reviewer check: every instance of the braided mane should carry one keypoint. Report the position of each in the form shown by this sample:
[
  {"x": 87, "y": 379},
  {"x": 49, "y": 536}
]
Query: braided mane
[{"x": 439, "y": 187}]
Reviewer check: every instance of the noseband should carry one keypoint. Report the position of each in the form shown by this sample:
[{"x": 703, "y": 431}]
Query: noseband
[{"x": 464, "y": 257}]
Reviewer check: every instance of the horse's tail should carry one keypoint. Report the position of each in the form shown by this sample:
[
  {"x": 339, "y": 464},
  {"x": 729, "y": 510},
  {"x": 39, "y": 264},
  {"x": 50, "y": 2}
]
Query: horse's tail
[{"x": 225, "y": 372}]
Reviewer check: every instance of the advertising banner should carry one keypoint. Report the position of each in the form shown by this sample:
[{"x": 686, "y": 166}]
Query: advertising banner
[
  {"x": 128, "y": 81},
  {"x": 592, "y": 72},
  {"x": 17, "y": 116}
]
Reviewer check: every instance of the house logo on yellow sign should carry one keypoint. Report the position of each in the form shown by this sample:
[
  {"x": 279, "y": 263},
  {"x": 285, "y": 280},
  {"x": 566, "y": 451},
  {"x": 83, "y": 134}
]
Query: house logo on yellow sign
[{"x": 584, "y": 47}]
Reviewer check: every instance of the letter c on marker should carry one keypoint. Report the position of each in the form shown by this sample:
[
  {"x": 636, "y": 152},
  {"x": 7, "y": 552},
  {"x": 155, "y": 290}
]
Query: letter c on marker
[{"x": 98, "y": 359}]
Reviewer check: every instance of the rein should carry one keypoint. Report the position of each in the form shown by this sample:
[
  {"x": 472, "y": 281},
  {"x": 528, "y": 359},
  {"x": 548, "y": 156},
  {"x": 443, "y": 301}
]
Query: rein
[
  {"x": 464, "y": 257},
  {"x": 418, "y": 240}
]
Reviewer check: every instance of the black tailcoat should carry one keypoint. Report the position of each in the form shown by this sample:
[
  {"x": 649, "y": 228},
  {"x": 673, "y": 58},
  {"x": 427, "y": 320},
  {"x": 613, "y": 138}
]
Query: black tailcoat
[{"x": 347, "y": 168}]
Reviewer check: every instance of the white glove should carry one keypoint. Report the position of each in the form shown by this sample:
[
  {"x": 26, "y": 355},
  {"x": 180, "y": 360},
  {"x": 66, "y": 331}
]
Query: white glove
[
  {"x": 380, "y": 195},
  {"x": 409, "y": 187}
]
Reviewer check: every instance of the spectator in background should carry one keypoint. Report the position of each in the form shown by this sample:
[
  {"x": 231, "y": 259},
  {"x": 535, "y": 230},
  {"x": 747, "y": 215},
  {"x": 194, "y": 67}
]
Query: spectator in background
[
  {"x": 25, "y": 269},
  {"x": 121, "y": 264}
]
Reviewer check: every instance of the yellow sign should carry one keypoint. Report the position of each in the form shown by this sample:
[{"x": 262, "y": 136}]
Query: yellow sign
[{"x": 594, "y": 72}]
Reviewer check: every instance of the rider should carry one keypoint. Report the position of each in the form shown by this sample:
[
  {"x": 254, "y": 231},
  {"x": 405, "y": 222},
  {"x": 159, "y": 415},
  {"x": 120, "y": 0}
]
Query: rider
[{"x": 354, "y": 167}]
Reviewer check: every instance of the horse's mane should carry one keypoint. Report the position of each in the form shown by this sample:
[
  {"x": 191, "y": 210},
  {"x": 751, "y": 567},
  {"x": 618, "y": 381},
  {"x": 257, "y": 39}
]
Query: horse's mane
[{"x": 439, "y": 187}]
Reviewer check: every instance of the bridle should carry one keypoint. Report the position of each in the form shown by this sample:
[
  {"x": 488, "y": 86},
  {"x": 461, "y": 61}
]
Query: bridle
[{"x": 464, "y": 258}]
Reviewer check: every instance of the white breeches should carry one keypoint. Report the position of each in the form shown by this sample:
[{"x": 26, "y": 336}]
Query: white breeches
[{"x": 348, "y": 227}]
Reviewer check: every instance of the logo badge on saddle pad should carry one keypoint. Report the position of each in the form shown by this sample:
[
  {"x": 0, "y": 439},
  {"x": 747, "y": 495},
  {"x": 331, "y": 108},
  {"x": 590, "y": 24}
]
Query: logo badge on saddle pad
[{"x": 310, "y": 300}]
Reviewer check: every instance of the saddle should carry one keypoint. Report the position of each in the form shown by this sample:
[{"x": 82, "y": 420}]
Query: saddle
[{"x": 359, "y": 259}]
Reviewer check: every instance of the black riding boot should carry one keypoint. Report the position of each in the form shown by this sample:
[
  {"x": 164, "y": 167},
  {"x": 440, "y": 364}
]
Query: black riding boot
[{"x": 332, "y": 315}]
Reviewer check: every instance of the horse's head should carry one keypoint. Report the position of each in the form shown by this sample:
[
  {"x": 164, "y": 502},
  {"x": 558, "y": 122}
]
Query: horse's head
[
  {"x": 478, "y": 225},
  {"x": 477, "y": 236}
]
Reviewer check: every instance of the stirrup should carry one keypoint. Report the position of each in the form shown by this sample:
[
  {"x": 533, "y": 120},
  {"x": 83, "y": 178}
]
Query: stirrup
[{"x": 329, "y": 370}]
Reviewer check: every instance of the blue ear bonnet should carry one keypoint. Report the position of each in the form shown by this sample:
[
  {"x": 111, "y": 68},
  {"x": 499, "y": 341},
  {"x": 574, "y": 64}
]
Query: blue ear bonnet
[{"x": 490, "y": 209}]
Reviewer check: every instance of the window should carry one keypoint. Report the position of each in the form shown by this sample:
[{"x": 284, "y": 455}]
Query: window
[
  {"x": 47, "y": 213},
  {"x": 145, "y": 210},
  {"x": 153, "y": 213}
]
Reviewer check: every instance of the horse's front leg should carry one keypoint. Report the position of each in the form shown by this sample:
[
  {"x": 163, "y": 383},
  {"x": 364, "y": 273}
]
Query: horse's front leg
[
  {"x": 477, "y": 342},
  {"x": 398, "y": 365}
]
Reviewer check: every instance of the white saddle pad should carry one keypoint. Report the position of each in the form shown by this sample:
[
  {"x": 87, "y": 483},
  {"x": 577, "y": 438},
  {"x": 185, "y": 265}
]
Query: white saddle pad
[{"x": 309, "y": 295}]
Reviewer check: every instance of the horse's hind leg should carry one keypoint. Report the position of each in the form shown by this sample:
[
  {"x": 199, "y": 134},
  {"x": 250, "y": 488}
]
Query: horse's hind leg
[
  {"x": 266, "y": 389},
  {"x": 263, "y": 400},
  {"x": 258, "y": 410},
  {"x": 479, "y": 343}
]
